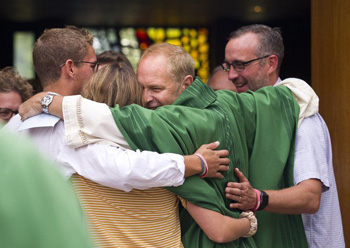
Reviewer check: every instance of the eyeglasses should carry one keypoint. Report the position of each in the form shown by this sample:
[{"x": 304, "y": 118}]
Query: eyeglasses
[
  {"x": 239, "y": 66},
  {"x": 95, "y": 68},
  {"x": 6, "y": 113}
]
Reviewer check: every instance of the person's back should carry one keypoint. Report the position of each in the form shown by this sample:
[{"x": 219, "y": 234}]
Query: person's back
[{"x": 139, "y": 218}]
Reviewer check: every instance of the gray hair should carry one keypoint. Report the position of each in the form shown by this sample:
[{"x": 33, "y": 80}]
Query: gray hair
[{"x": 271, "y": 41}]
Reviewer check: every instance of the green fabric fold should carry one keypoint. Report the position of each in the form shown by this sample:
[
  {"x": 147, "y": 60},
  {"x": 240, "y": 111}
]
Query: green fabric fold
[{"x": 258, "y": 129}]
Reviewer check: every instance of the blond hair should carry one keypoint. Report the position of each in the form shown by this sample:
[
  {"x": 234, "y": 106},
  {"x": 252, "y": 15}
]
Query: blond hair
[
  {"x": 180, "y": 63},
  {"x": 114, "y": 84},
  {"x": 55, "y": 46}
]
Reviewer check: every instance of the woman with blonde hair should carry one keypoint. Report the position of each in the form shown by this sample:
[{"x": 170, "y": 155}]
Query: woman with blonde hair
[
  {"x": 114, "y": 84},
  {"x": 142, "y": 218}
]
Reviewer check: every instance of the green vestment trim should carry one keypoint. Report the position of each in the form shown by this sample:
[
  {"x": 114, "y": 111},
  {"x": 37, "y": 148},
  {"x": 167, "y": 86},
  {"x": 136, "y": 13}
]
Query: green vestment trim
[{"x": 258, "y": 128}]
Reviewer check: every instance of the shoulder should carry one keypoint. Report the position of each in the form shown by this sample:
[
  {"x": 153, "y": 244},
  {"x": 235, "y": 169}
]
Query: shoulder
[
  {"x": 313, "y": 127},
  {"x": 13, "y": 124},
  {"x": 313, "y": 152}
]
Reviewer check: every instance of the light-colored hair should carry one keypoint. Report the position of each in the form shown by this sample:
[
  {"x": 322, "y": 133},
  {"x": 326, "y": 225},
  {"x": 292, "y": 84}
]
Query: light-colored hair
[
  {"x": 55, "y": 46},
  {"x": 270, "y": 40},
  {"x": 180, "y": 63},
  {"x": 10, "y": 80},
  {"x": 115, "y": 83}
]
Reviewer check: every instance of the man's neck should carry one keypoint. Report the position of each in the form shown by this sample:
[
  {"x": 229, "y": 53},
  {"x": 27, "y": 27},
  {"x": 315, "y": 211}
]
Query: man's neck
[
  {"x": 273, "y": 79},
  {"x": 57, "y": 88}
]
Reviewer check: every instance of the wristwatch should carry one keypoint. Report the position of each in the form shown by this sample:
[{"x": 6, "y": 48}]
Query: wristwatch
[
  {"x": 46, "y": 101},
  {"x": 264, "y": 200}
]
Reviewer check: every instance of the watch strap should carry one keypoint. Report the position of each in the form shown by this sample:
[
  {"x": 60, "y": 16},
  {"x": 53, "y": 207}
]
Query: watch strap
[{"x": 264, "y": 200}]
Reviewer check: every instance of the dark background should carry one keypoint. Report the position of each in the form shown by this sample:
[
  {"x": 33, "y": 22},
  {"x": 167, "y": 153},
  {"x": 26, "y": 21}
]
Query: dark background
[{"x": 220, "y": 17}]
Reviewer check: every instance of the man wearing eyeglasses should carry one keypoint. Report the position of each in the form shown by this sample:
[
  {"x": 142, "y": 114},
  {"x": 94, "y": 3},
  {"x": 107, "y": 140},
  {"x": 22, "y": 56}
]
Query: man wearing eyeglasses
[
  {"x": 253, "y": 58},
  {"x": 13, "y": 91},
  {"x": 64, "y": 59}
]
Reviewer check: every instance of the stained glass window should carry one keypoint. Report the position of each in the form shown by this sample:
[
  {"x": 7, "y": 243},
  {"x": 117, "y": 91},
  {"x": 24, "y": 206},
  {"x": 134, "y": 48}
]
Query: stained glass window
[
  {"x": 129, "y": 41},
  {"x": 132, "y": 41}
]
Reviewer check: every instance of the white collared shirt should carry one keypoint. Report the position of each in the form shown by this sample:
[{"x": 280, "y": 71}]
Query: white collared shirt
[{"x": 107, "y": 164}]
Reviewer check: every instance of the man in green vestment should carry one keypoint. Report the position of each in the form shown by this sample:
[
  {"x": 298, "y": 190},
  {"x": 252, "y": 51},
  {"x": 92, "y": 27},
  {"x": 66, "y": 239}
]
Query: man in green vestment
[{"x": 242, "y": 123}]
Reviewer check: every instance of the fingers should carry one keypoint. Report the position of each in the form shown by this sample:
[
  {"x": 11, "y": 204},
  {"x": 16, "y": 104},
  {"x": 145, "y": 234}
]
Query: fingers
[
  {"x": 31, "y": 107},
  {"x": 239, "y": 201},
  {"x": 23, "y": 111},
  {"x": 224, "y": 168},
  {"x": 240, "y": 204},
  {"x": 233, "y": 185},
  {"x": 224, "y": 161},
  {"x": 219, "y": 176},
  {"x": 222, "y": 153},
  {"x": 235, "y": 198},
  {"x": 215, "y": 172},
  {"x": 233, "y": 191},
  {"x": 20, "y": 111},
  {"x": 237, "y": 206},
  {"x": 240, "y": 176},
  {"x": 212, "y": 145},
  {"x": 242, "y": 194},
  {"x": 217, "y": 160}
]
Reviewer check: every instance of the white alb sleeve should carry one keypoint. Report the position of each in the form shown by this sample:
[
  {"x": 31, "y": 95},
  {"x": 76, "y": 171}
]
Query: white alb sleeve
[{"x": 88, "y": 122}]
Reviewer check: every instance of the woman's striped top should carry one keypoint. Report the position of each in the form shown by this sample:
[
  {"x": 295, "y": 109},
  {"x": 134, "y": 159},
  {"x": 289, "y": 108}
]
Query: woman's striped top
[{"x": 140, "y": 218}]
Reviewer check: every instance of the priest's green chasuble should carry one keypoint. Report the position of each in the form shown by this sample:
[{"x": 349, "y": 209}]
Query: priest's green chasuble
[{"x": 258, "y": 129}]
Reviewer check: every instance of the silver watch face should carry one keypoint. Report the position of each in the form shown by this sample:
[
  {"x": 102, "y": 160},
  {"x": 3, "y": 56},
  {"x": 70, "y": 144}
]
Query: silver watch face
[
  {"x": 46, "y": 99},
  {"x": 45, "y": 102}
]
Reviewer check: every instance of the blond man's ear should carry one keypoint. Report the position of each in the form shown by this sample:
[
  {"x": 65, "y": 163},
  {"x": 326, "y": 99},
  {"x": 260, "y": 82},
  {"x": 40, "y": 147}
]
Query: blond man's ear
[{"x": 188, "y": 80}]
